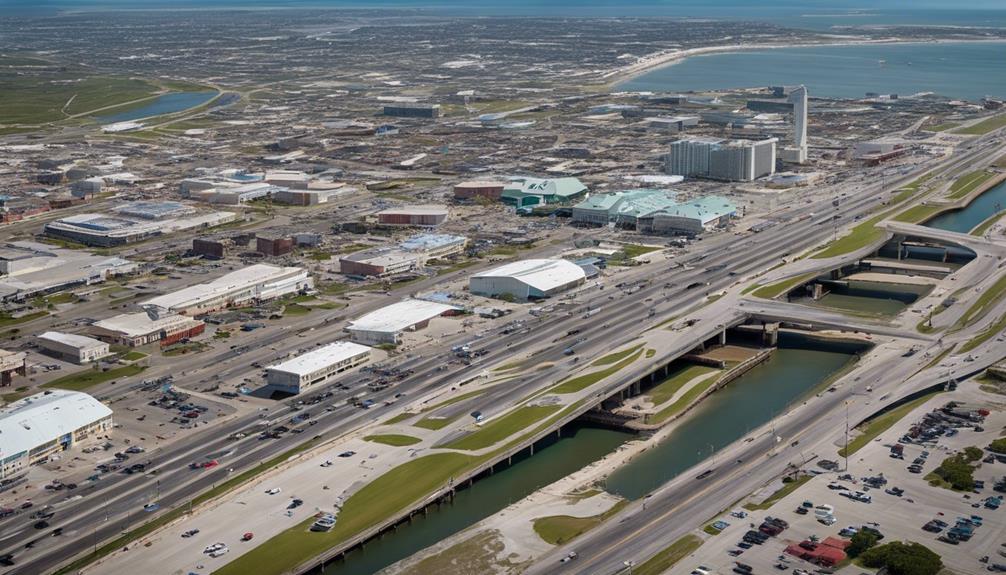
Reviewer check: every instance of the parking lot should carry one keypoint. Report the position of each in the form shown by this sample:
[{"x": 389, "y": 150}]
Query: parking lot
[{"x": 878, "y": 491}]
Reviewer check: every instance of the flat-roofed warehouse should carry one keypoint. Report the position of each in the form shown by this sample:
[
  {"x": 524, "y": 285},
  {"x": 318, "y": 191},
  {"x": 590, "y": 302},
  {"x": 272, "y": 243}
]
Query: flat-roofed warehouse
[
  {"x": 420, "y": 216},
  {"x": 528, "y": 279},
  {"x": 488, "y": 189},
  {"x": 316, "y": 367},
  {"x": 135, "y": 329},
  {"x": 387, "y": 324},
  {"x": 42, "y": 425},
  {"x": 76, "y": 348},
  {"x": 258, "y": 282}
]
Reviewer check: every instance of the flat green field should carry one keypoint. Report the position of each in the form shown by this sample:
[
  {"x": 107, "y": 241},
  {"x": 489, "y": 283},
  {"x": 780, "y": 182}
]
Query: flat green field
[
  {"x": 984, "y": 127},
  {"x": 40, "y": 99},
  {"x": 968, "y": 183},
  {"x": 92, "y": 377},
  {"x": 393, "y": 439}
]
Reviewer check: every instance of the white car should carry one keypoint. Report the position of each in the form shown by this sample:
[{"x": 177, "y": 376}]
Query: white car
[
  {"x": 273, "y": 491},
  {"x": 213, "y": 548},
  {"x": 219, "y": 552}
]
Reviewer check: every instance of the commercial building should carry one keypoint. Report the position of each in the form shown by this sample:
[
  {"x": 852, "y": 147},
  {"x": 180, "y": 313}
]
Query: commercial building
[
  {"x": 487, "y": 189},
  {"x": 105, "y": 231},
  {"x": 672, "y": 124},
  {"x": 410, "y": 110},
  {"x": 527, "y": 279},
  {"x": 622, "y": 209},
  {"x": 260, "y": 282},
  {"x": 731, "y": 160},
  {"x": 12, "y": 362},
  {"x": 229, "y": 193},
  {"x": 430, "y": 246},
  {"x": 215, "y": 249},
  {"x": 42, "y": 425},
  {"x": 273, "y": 246},
  {"x": 136, "y": 329},
  {"x": 76, "y": 348},
  {"x": 316, "y": 367},
  {"x": 154, "y": 210},
  {"x": 420, "y": 216},
  {"x": 387, "y": 324},
  {"x": 30, "y": 269},
  {"x": 523, "y": 192},
  {"x": 378, "y": 262},
  {"x": 689, "y": 218}
]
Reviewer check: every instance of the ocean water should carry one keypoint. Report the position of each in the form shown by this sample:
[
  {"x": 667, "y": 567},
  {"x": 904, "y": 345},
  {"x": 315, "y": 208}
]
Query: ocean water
[{"x": 957, "y": 70}]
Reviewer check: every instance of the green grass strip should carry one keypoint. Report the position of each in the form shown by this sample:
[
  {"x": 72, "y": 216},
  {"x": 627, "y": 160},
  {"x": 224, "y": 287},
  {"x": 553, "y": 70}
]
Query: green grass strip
[
  {"x": 434, "y": 423},
  {"x": 683, "y": 402},
  {"x": 983, "y": 304},
  {"x": 987, "y": 334},
  {"x": 500, "y": 428},
  {"x": 669, "y": 556},
  {"x": 559, "y": 529},
  {"x": 982, "y": 228},
  {"x": 615, "y": 357},
  {"x": 775, "y": 290},
  {"x": 675, "y": 380},
  {"x": 873, "y": 428},
  {"x": 393, "y": 439},
  {"x": 785, "y": 490},
  {"x": 968, "y": 183},
  {"x": 83, "y": 380},
  {"x": 984, "y": 127},
  {"x": 582, "y": 382}
]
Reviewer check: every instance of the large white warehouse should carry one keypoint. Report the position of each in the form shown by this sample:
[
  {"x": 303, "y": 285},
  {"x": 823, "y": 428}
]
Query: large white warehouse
[
  {"x": 254, "y": 283},
  {"x": 76, "y": 348},
  {"x": 528, "y": 279},
  {"x": 316, "y": 367},
  {"x": 36, "y": 427},
  {"x": 387, "y": 324}
]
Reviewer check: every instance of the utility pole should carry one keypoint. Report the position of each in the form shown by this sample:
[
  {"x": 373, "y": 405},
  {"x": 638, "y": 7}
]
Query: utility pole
[{"x": 846, "y": 450}]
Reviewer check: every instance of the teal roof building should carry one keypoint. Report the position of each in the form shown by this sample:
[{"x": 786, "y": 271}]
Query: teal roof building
[{"x": 524, "y": 192}]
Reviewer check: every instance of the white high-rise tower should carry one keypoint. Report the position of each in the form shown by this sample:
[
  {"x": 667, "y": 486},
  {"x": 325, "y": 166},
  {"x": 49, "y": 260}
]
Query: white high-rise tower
[{"x": 798, "y": 153}]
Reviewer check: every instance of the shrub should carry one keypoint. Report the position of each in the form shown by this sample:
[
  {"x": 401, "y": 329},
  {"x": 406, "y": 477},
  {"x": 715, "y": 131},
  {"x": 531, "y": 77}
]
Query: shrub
[
  {"x": 861, "y": 541},
  {"x": 999, "y": 445},
  {"x": 903, "y": 558}
]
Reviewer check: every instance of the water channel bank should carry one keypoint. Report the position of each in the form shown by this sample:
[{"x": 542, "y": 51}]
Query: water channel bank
[
  {"x": 800, "y": 366},
  {"x": 966, "y": 219},
  {"x": 165, "y": 104}
]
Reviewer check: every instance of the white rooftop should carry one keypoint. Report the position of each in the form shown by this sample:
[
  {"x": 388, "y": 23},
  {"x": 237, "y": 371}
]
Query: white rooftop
[
  {"x": 399, "y": 316},
  {"x": 312, "y": 361},
  {"x": 138, "y": 324},
  {"x": 542, "y": 275},
  {"x": 45, "y": 417},
  {"x": 71, "y": 339},
  {"x": 233, "y": 282}
]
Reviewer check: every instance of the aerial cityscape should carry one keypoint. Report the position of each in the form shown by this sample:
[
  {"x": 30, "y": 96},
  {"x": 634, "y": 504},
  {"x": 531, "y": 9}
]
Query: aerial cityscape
[{"x": 410, "y": 288}]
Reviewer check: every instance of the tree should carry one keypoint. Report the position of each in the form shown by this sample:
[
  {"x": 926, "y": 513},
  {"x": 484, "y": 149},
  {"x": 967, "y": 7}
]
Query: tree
[
  {"x": 901, "y": 558},
  {"x": 973, "y": 453},
  {"x": 956, "y": 471},
  {"x": 861, "y": 541},
  {"x": 999, "y": 445}
]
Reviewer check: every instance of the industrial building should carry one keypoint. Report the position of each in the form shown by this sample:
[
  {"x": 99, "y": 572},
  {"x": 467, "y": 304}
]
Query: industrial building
[
  {"x": 12, "y": 362},
  {"x": 229, "y": 193},
  {"x": 419, "y": 216},
  {"x": 412, "y": 110},
  {"x": 316, "y": 367},
  {"x": 730, "y": 160},
  {"x": 42, "y": 425},
  {"x": 154, "y": 210},
  {"x": 622, "y": 209},
  {"x": 141, "y": 328},
  {"x": 689, "y": 218},
  {"x": 106, "y": 230},
  {"x": 273, "y": 246},
  {"x": 387, "y": 324},
  {"x": 487, "y": 189},
  {"x": 378, "y": 262},
  {"x": 527, "y": 279},
  {"x": 432, "y": 246},
  {"x": 673, "y": 124},
  {"x": 523, "y": 192},
  {"x": 214, "y": 249},
  {"x": 260, "y": 282},
  {"x": 30, "y": 269},
  {"x": 79, "y": 349}
]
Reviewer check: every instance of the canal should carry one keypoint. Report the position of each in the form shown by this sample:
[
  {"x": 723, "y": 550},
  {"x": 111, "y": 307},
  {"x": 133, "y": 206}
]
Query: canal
[
  {"x": 799, "y": 366},
  {"x": 980, "y": 209},
  {"x": 869, "y": 297},
  {"x": 165, "y": 104}
]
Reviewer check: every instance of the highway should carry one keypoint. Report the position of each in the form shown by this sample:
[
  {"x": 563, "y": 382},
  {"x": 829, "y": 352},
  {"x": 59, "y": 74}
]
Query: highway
[{"x": 122, "y": 497}]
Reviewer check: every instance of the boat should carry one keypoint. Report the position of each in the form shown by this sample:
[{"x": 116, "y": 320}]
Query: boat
[{"x": 324, "y": 523}]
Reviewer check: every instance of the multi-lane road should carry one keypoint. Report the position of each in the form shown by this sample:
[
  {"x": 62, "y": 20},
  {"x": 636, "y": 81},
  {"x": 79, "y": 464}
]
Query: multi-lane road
[{"x": 121, "y": 498}]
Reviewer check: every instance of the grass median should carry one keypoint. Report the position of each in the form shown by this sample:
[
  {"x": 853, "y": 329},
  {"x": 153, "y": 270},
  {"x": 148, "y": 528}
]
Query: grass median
[
  {"x": 393, "y": 439},
  {"x": 378, "y": 500},
  {"x": 786, "y": 489},
  {"x": 686, "y": 399},
  {"x": 983, "y": 127},
  {"x": 582, "y": 382},
  {"x": 674, "y": 381},
  {"x": 968, "y": 183},
  {"x": 986, "y": 334},
  {"x": 669, "y": 556},
  {"x": 500, "y": 428},
  {"x": 772, "y": 291},
  {"x": 559, "y": 529},
  {"x": 983, "y": 304}
]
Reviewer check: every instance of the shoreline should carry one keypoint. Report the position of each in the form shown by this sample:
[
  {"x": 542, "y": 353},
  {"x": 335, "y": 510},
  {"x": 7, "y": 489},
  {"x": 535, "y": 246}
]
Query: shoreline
[{"x": 619, "y": 76}]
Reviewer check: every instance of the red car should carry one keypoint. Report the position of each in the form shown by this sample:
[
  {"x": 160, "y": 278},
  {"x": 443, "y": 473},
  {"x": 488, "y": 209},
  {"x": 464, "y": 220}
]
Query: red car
[
  {"x": 247, "y": 536},
  {"x": 210, "y": 463}
]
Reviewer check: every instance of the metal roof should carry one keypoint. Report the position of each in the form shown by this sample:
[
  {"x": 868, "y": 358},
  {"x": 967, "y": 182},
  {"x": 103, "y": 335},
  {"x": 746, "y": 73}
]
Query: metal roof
[
  {"x": 139, "y": 324},
  {"x": 235, "y": 281},
  {"x": 543, "y": 275},
  {"x": 312, "y": 361},
  {"x": 45, "y": 417},
  {"x": 561, "y": 187},
  {"x": 72, "y": 339},
  {"x": 400, "y": 316}
]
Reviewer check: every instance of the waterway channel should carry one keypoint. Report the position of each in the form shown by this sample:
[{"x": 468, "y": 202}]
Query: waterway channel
[
  {"x": 870, "y": 297},
  {"x": 980, "y": 209},
  {"x": 799, "y": 366},
  {"x": 165, "y": 104}
]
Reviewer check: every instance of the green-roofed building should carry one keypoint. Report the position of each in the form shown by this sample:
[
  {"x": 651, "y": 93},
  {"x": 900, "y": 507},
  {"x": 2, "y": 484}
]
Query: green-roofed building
[
  {"x": 528, "y": 192},
  {"x": 622, "y": 208},
  {"x": 689, "y": 218}
]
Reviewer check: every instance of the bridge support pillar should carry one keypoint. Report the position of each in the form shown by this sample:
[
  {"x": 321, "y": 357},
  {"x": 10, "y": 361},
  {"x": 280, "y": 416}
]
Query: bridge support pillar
[
  {"x": 836, "y": 274},
  {"x": 900, "y": 244},
  {"x": 946, "y": 254},
  {"x": 723, "y": 337},
  {"x": 770, "y": 335}
]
